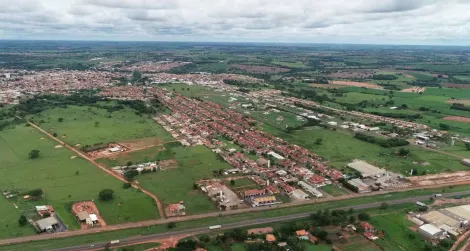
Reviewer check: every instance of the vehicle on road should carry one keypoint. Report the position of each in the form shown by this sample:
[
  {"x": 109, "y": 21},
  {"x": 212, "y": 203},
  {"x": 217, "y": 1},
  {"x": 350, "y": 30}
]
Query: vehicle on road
[
  {"x": 215, "y": 227},
  {"x": 114, "y": 242},
  {"x": 421, "y": 204}
]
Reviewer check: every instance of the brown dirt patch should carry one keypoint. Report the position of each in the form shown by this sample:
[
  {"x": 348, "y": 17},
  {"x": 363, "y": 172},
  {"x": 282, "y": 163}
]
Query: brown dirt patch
[
  {"x": 106, "y": 152},
  {"x": 259, "y": 68},
  {"x": 141, "y": 143},
  {"x": 352, "y": 74},
  {"x": 414, "y": 89},
  {"x": 58, "y": 146},
  {"x": 338, "y": 83},
  {"x": 457, "y": 118},
  {"x": 457, "y": 86},
  {"x": 459, "y": 101},
  {"x": 264, "y": 230},
  {"x": 442, "y": 178},
  {"x": 168, "y": 164},
  {"x": 90, "y": 207}
]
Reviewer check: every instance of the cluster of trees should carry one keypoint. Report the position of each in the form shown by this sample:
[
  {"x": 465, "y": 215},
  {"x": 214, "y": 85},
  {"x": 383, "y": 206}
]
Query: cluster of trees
[
  {"x": 459, "y": 106},
  {"x": 94, "y": 147},
  {"x": 399, "y": 115},
  {"x": 391, "y": 142},
  {"x": 384, "y": 77},
  {"x": 348, "y": 185}
]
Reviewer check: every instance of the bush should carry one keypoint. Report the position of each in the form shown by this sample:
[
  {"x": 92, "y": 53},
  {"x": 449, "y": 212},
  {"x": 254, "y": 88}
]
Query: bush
[
  {"x": 106, "y": 194},
  {"x": 126, "y": 185},
  {"x": 22, "y": 220},
  {"x": 363, "y": 216},
  {"x": 34, "y": 154},
  {"x": 36, "y": 192},
  {"x": 130, "y": 175}
]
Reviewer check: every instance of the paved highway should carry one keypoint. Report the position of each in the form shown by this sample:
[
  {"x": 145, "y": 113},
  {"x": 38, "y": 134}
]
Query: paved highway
[{"x": 205, "y": 229}]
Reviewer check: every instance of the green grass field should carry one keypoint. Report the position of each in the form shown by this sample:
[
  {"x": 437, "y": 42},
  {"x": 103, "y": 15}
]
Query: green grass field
[
  {"x": 398, "y": 236},
  {"x": 340, "y": 148},
  {"x": 79, "y": 126},
  {"x": 296, "y": 64},
  {"x": 173, "y": 185},
  {"x": 141, "y": 156},
  {"x": 107, "y": 236},
  {"x": 139, "y": 247},
  {"x": 55, "y": 172},
  {"x": 334, "y": 190}
]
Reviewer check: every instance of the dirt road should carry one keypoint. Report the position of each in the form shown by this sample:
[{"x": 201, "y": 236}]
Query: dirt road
[{"x": 115, "y": 175}]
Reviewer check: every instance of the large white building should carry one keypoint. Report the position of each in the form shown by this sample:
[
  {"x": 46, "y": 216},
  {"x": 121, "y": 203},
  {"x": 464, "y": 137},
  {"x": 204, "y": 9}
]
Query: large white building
[{"x": 430, "y": 231}]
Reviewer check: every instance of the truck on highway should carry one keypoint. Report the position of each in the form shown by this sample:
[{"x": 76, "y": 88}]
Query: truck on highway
[
  {"x": 215, "y": 227},
  {"x": 437, "y": 195},
  {"x": 114, "y": 242},
  {"x": 458, "y": 197}
]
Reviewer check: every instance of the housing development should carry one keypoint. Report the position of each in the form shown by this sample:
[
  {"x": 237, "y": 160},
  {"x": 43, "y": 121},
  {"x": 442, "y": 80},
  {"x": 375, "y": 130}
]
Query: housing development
[{"x": 246, "y": 147}]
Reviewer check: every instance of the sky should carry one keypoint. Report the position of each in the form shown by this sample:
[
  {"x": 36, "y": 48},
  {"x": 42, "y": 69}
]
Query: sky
[{"x": 434, "y": 22}]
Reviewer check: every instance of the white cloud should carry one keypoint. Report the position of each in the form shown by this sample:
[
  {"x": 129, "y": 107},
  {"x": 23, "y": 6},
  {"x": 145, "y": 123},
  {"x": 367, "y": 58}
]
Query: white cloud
[{"x": 336, "y": 21}]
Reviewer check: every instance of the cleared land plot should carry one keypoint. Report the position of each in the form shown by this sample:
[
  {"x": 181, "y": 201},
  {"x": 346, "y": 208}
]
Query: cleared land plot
[
  {"x": 357, "y": 84},
  {"x": 459, "y": 101},
  {"x": 339, "y": 147},
  {"x": 79, "y": 125},
  {"x": 174, "y": 185},
  {"x": 356, "y": 243},
  {"x": 56, "y": 173},
  {"x": 259, "y": 68},
  {"x": 457, "y": 119}
]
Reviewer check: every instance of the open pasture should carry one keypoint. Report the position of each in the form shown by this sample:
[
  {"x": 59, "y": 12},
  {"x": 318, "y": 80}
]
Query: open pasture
[
  {"x": 65, "y": 179},
  {"x": 174, "y": 185},
  {"x": 90, "y": 125}
]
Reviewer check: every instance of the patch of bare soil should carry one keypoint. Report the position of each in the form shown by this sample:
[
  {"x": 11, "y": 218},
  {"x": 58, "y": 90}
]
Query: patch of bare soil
[
  {"x": 168, "y": 164},
  {"x": 259, "y": 68},
  {"x": 457, "y": 119}
]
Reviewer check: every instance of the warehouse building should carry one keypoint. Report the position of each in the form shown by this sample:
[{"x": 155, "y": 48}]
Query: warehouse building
[
  {"x": 430, "y": 231},
  {"x": 366, "y": 169}
]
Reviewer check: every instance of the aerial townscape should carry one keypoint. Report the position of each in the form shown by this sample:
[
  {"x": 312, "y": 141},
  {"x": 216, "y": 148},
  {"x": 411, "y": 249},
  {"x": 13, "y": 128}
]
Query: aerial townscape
[{"x": 234, "y": 145}]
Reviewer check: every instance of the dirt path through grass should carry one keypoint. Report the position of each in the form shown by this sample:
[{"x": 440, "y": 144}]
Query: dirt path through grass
[{"x": 117, "y": 176}]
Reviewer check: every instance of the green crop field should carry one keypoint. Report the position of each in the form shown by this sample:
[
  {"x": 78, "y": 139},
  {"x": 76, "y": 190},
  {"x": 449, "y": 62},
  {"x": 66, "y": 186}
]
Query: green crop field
[
  {"x": 64, "y": 181},
  {"x": 340, "y": 148},
  {"x": 79, "y": 126},
  {"x": 174, "y": 185}
]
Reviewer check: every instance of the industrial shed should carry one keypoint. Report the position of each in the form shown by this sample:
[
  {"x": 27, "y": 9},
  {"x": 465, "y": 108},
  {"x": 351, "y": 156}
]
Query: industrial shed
[
  {"x": 430, "y": 231},
  {"x": 366, "y": 169}
]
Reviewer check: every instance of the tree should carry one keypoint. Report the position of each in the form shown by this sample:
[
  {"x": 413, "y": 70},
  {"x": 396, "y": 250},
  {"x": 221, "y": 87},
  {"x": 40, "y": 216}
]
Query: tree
[
  {"x": 97, "y": 123},
  {"x": 130, "y": 175},
  {"x": 126, "y": 185},
  {"x": 195, "y": 186},
  {"x": 383, "y": 206},
  {"x": 106, "y": 194},
  {"x": 77, "y": 173},
  {"x": 54, "y": 134},
  {"x": 171, "y": 225},
  {"x": 36, "y": 193},
  {"x": 318, "y": 141},
  {"x": 403, "y": 152},
  {"x": 232, "y": 182},
  {"x": 467, "y": 146},
  {"x": 23, "y": 220},
  {"x": 60, "y": 119},
  {"x": 34, "y": 154},
  {"x": 363, "y": 216},
  {"x": 129, "y": 163}
]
